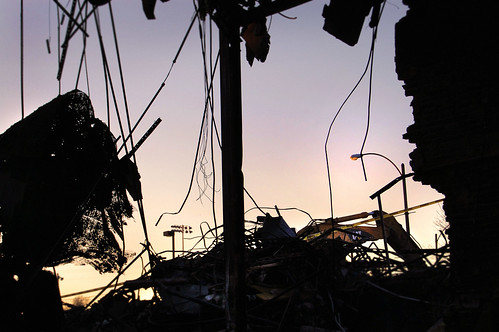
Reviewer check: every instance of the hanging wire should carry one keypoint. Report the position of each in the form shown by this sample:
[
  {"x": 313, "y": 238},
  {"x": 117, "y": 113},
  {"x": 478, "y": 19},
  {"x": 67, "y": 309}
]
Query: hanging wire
[
  {"x": 59, "y": 23},
  {"x": 164, "y": 81},
  {"x": 213, "y": 128},
  {"x": 374, "y": 35},
  {"x": 48, "y": 40},
  {"x": 22, "y": 58},
  {"x": 140, "y": 203},
  {"x": 196, "y": 158},
  {"x": 368, "y": 65},
  {"x": 329, "y": 133},
  {"x": 83, "y": 60},
  {"x": 210, "y": 128},
  {"x": 107, "y": 73},
  {"x": 254, "y": 202},
  {"x": 65, "y": 44},
  {"x": 122, "y": 79},
  {"x": 204, "y": 142}
]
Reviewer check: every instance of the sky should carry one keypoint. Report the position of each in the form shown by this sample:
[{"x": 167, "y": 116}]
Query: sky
[{"x": 289, "y": 102}]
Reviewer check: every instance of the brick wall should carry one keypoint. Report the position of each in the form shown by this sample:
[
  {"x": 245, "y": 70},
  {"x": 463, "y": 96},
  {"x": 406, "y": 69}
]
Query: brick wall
[{"x": 447, "y": 55}]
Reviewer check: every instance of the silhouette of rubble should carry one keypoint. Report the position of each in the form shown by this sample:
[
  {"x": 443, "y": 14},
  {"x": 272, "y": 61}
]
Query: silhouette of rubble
[
  {"x": 62, "y": 197},
  {"x": 291, "y": 285}
]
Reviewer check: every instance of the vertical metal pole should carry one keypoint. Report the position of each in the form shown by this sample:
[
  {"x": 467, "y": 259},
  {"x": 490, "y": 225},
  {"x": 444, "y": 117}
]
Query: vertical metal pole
[
  {"x": 173, "y": 244},
  {"x": 404, "y": 188},
  {"x": 232, "y": 177},
  {"x": 183, "y": 229},
  {"x": 384, "y": 233}
]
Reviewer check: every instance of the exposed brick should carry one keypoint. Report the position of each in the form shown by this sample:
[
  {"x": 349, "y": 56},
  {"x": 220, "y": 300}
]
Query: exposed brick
[{"x": 446, "y": 54}]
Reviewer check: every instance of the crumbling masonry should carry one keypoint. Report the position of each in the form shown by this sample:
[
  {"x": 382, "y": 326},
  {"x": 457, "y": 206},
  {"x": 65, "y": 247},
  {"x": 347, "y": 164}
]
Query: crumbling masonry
[{"x": 447, "y": 53}]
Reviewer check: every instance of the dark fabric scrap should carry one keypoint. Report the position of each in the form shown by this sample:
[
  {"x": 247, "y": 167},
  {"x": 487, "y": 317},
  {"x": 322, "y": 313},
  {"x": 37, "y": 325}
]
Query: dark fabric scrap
[{"x": 61, "y": 197}]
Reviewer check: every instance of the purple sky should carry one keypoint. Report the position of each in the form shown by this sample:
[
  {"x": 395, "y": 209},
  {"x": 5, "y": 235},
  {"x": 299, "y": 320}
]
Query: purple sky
[{"x": 288, "y": 104}]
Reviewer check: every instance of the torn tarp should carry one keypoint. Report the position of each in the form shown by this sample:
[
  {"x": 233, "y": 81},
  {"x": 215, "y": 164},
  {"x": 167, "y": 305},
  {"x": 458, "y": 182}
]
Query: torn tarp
[{"x": 61, "y": 196}]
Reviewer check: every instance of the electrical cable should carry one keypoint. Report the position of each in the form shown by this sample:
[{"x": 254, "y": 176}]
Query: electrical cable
[
  {"x": 195, "y": 158},
  {"x": 59, "y": 23},
  {"x": 72, "y": 21},
  {"x": 65, "y": 44},
  {"x": 108, "y": 73},
  {"x": 212, "y": 128},
  {"x": 204, "y": 234},
  {"x": 164, "y": 81},
  {"x": 22, "y": 57},
  {"x": 253, "y": 200},
  {"x": 374, "y": 36},
  {"x": 122, "y": 79},
  {"x": 48, "y": 40},
  {"x": 210, "y": 98},
  {"x": 83, "y": 60},
  {"x": 368, "y": 65},
  {"x": 84, "y": 20},
  {"x": 140, "y": 202},
  {"x": 329, "y": 132}
]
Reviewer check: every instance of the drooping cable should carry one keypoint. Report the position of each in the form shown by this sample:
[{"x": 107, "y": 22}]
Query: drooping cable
[
  {"x": 209, "y": 94},
  {"x": 212, "y": 143},
  {"x": 330, "y": 128},
  {"x": 65, "y": 44},
  {"x": 200, "y": 136},
  {"x": 22, "y": 58},
  {"x": 72, "y": 22},
  {"x": 81, "y": 25},
  {"x": 156, "y": 94},
  {"x": 120, "y": 68},
  {"x": 210, "y": 125},
  {"x": 49, "y": 39},
  {"x": 59, "y": 23},
  {"x": 376, "y": 18},
  {"x": 83, "y": 60},
  {"x": 254, "y": 202},
  {"x": 196, "y": 157},
  {"x": 368, "y": 65},
  {"x": 140, "y": 203},
  {"x": 107, "y": 73}
]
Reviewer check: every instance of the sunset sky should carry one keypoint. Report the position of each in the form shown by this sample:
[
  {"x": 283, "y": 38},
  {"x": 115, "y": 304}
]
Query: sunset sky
[{"x": 288, "y": 104}]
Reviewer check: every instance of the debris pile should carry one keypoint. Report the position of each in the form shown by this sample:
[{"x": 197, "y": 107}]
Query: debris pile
[
  {"x": 291, "y": 285},
  {"x": 62, "y": 198}
]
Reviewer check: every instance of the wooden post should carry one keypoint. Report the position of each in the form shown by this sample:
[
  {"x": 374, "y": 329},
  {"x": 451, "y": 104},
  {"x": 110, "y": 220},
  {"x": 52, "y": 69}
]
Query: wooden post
[
  {"x": 173, "y": 244},
  {"x": 232, "y": 177},
  {"x": 385, "y": 242},
  {"x": 406, "y": 205}
]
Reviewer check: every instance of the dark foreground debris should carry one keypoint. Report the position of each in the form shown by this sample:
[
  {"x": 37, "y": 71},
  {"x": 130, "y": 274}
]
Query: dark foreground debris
[
  {"x": 291, "y": 285},
  {"x": 62, "y": 197}
]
